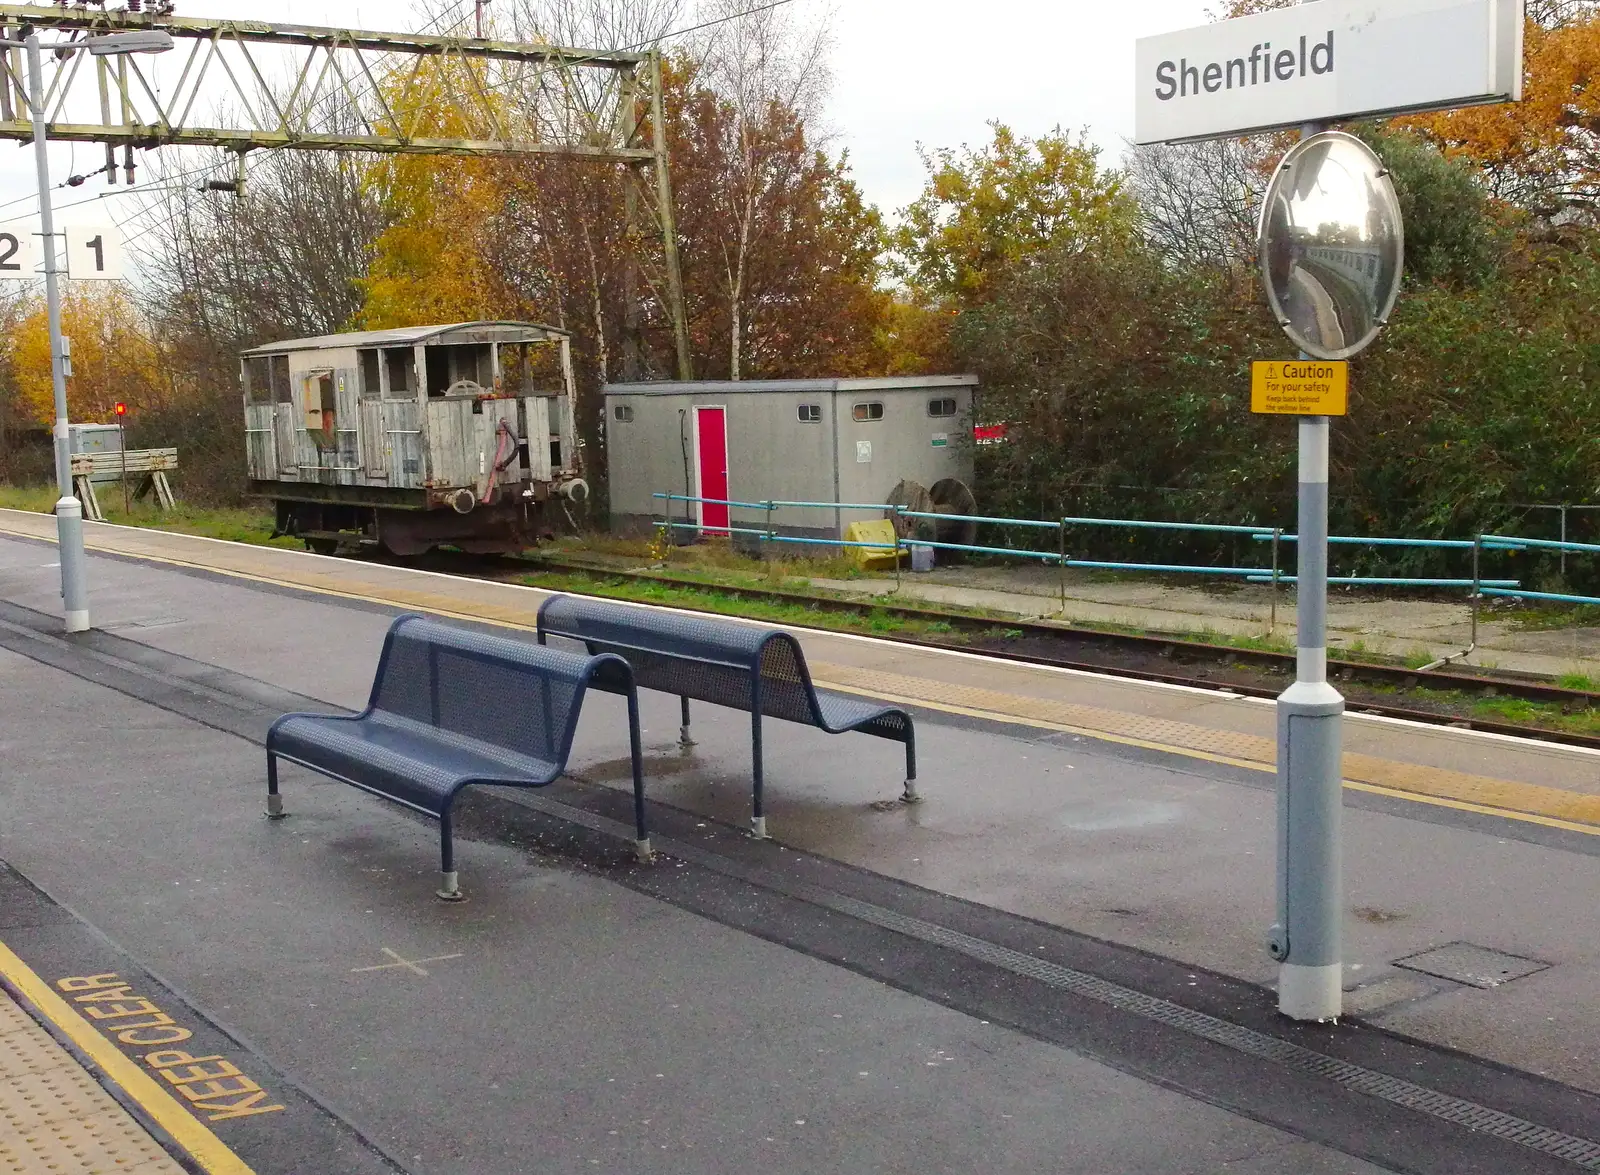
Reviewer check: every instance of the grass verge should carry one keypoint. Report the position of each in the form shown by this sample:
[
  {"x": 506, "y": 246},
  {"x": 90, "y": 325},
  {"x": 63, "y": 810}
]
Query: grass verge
[{"x": 234, "y": 524}]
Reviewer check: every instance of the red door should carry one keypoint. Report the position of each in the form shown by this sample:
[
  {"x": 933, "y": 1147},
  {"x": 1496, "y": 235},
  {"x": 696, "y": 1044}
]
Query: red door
[{"x": 711, "y": 450}]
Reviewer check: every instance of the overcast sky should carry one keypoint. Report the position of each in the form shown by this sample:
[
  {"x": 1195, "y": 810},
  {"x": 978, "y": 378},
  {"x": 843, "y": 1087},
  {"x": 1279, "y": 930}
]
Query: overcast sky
[{"x": 905, "y": 72}]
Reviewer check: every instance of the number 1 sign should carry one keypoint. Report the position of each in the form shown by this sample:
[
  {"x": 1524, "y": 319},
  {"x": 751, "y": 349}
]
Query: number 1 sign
[
  {"x": 20, "y": 254},
  {"x": 94, "y": 252}
]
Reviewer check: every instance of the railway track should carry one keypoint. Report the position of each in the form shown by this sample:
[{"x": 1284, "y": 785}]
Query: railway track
[{"x": 1394, "y": 691}]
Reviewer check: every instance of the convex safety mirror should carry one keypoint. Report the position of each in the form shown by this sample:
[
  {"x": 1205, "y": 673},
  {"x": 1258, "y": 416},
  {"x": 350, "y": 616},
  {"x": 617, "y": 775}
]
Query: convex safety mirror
[{"x": 1332, "y": 245}]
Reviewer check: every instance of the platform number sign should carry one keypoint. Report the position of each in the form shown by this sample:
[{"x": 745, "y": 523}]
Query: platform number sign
[
  {"x": 94, "y": 252},
  {"x": 20, "y": 255}
]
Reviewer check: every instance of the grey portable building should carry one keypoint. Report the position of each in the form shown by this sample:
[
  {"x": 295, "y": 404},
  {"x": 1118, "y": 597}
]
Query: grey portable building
[{"x": 803, "y": 440}]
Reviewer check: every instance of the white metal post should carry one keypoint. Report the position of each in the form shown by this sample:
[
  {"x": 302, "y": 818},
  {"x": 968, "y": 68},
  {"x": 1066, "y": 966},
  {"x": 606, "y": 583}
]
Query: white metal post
[
  {"x": 69, "y": 512},
  {"x": 1308, "y": 938}
]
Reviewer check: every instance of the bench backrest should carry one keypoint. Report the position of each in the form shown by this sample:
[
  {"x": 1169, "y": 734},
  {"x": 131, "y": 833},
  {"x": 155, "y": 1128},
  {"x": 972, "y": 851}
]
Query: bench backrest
[
  {"x": 507, "y": 693},
  {"x": 713, "y": 660}
]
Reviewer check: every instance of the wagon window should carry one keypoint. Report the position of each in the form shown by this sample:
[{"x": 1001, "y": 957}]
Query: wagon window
[
  {"x": 872, "y": 411},
  {"x": 281, "y": 391},
  {"x": 811, "y": 414},
  {"x": 399, "y": 360},
  {"x": 943, "y": 406},
  {"x": 371, "y": 380},
  {"x": 321, "y": 408},
  {"x": 624, "y": 413},
  {"x": 258, "y": 380}
]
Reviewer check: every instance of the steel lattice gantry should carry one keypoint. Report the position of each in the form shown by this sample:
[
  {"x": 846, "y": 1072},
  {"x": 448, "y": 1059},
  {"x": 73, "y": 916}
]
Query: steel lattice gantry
[{"x": 251, "y": 85}]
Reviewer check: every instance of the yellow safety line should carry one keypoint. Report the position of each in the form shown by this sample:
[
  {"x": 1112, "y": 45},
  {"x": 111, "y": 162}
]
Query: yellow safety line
[
  {"x": 204, "y": 1147},
  {"x": 1479, "y": 809},
  {"x": 881, "y": 695}
]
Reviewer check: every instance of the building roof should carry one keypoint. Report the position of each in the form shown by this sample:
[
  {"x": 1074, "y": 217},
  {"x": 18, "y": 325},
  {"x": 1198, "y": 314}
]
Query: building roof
[
  {"x": 411, "y": 336},
  {"x": 906, "y": 383}
]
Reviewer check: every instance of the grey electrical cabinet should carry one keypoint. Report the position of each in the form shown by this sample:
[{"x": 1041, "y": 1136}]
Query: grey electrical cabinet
[
  {"x": 96, "y": 438},
  {"x": 841, "y": 442}
]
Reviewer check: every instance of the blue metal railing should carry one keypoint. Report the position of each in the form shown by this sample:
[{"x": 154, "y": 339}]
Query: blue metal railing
[
  {"x": 1495, "y": 542},
  {"x": 1477, "y": 586}
]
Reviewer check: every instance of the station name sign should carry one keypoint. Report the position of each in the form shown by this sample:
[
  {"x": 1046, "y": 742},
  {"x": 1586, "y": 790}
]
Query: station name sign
[{"x": 1326, "y": 62}]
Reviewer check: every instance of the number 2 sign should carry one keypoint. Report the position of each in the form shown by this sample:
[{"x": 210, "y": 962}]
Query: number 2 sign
[
  {"x": 20, "y": 254},
  {"x": 94, "y": 251}
]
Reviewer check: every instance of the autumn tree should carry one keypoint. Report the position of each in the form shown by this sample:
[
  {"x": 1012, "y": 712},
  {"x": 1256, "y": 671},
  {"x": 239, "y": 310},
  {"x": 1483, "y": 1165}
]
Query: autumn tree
[
  {"x": 769, "y": 75},
  {"x": 433, "y": 261},
  {"x": 985, "y": 212},
  {"x": 114, "y": 355},
  {"x": 780, "y": 249},
  {"x": 1543, "y": 153}
]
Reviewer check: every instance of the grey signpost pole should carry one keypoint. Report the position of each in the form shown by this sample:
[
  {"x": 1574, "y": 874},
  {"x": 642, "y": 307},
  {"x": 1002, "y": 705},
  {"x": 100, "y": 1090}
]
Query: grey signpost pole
[
  {"x": 1307, "y": 940},
  {"x": 69, "y": 512},
  {"x": 1331, "y": 198}
]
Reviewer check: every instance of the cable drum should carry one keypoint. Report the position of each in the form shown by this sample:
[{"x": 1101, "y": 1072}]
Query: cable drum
[{"x": 950, "y": 496}]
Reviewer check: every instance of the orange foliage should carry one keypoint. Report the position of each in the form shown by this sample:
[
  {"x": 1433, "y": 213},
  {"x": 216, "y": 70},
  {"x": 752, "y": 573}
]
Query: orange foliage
[
  {"x": 1549, "y": 144},
  {"x": 114, "y": 356},
  {"x": 433, "y": 263}
]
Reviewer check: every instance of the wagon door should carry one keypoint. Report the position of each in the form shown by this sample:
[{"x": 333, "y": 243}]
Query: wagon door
[
  {"x": 452, "y": 431},
  {"x": 261, "y": 449},
  {"x": 375, "y": 448},
  {"x": 285, "y": 421}
]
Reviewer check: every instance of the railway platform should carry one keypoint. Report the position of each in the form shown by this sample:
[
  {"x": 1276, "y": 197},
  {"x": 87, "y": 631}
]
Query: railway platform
[{"x": 1056, "y": 962}]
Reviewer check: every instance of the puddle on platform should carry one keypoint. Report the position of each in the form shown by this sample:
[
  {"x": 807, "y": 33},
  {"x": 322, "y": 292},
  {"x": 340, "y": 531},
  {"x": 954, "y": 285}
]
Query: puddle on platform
[
  {"x": 614, "y": 770},
  {"x": 1120, "y": 815}
]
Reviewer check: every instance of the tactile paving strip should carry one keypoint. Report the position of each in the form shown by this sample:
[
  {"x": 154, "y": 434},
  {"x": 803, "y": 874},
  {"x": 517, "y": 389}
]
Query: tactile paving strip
[
  {"x": 55, "y": 1119},
  {"x": 1550, "y": 802}
]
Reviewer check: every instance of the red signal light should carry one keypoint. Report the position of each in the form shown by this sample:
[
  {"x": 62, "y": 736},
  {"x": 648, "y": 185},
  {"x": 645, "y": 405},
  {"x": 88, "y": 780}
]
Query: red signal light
[{"x": 121, "y": 408}]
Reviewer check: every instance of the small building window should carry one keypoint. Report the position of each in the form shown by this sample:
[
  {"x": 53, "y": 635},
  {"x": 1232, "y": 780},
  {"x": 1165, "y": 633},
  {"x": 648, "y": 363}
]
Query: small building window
[
  {"x": 623, "y": 412},
  {"x": 943, "y": 406},
  {"x": 811, "y": 414},
  {"x": 865, "y": 412}
]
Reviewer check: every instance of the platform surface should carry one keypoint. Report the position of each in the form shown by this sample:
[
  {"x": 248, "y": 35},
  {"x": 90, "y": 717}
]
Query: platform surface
[{"x": 906, "y": 990}]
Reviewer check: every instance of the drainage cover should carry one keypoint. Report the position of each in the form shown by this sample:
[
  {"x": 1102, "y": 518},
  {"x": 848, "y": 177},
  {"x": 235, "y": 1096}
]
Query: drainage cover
[{"x": 1475, "y": 966}]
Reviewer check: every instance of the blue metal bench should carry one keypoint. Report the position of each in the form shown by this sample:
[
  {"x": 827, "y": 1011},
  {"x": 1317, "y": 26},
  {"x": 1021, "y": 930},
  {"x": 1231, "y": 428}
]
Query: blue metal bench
[
  {"x": 761, "y": 671},
  {"x": 452, "y": 707}
]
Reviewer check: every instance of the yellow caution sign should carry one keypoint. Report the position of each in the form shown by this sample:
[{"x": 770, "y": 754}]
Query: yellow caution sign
[{"x": 1302, "y": 387}]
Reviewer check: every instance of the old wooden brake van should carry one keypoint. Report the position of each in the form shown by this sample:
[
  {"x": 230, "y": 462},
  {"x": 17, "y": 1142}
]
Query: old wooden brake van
[{"x": 416, "y": 437}]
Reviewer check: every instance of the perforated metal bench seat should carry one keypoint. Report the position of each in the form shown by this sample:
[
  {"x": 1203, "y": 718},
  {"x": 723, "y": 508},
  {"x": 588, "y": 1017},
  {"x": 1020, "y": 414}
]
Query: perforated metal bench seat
[
  {"x": 410, "y": 764},
  {"x": 451, "y": 708},
  {"x": 759, "y": 670}
]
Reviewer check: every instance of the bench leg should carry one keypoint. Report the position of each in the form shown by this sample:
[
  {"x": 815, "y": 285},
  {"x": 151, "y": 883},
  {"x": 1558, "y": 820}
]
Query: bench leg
[
  {"x": 449, "y": 883},
  {"x": 684, "y": 741},
  {"x": 641, "y": 844},
  {"x": 274, "y": 800},
  {"x": 758, "y": 819},
  {"x": 911, "y": 795}
]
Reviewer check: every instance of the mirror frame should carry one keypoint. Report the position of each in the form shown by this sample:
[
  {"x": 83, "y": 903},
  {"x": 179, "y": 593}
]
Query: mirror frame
[{"x": 1277, "y": 194}]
